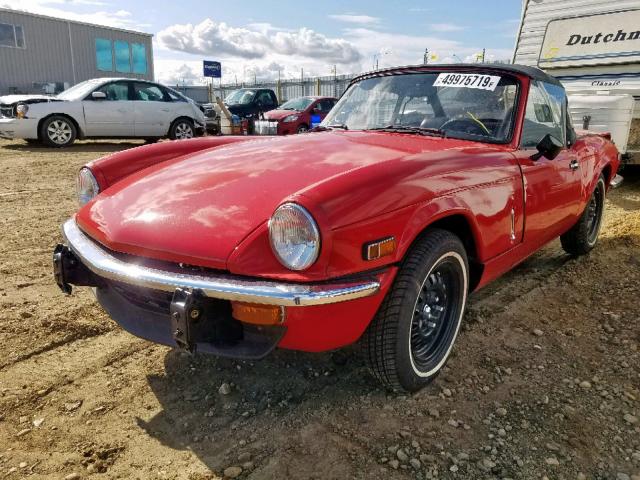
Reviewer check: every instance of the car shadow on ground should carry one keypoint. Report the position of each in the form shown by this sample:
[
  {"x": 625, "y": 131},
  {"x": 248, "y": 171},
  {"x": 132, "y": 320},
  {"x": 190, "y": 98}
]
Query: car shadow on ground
[
  {"x": 274, "y": 404},
  {"x": 84, "y": 146},
  {"x": 263, "y": 397}
]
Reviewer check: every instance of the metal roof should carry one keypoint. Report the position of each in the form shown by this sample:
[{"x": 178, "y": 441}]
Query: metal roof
[{"x": 46, "y": 17}]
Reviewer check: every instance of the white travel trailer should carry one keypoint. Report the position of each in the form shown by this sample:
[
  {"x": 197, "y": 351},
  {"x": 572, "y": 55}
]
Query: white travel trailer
[{"x": 593, "y": 48}]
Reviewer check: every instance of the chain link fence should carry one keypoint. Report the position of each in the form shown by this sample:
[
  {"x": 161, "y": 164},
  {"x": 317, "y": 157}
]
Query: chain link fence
[{"x": 331, "y": 86}]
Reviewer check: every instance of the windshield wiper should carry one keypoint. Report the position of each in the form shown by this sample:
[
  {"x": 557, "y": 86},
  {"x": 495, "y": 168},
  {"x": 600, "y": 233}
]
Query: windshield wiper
[
  {"x": 322, "y": 128},
  {"x": 432, "y": 132}
]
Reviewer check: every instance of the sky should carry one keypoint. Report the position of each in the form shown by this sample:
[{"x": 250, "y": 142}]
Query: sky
[{"x": 254, "y": 39}]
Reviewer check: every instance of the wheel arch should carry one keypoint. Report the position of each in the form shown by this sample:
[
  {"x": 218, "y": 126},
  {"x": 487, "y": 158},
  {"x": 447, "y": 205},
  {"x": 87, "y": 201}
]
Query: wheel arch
[
  {"x": 460, "y": 223},
  {"x": 79, "y": 132},
  {"x": 180, "y": 117}
]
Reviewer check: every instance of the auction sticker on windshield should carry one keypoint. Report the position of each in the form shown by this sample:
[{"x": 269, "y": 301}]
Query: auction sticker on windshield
[{"x": 467, "y": 80}]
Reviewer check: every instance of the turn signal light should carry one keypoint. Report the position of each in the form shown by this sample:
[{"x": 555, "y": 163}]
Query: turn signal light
[
  {"x": 379, "y": 248},
  {"x": 257, "y": 314}
]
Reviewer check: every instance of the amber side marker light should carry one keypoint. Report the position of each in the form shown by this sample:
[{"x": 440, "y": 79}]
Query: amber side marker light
[
  {"x": 257, "y": 314},
  {"x": 379, "y": 248}
]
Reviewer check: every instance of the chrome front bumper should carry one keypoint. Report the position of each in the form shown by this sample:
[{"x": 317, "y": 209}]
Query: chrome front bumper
[
  {"x": 104, "y": 264},
  {"x": 11, "y": 128}
]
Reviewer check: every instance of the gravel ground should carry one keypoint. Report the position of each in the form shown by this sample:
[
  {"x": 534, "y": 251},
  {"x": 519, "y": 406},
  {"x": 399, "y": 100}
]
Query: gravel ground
[{"x": 544, "y": 381}]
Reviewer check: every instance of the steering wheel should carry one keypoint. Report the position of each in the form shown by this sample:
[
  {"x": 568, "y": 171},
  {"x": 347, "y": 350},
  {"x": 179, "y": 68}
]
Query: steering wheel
[{"x": 465, "y": 125}]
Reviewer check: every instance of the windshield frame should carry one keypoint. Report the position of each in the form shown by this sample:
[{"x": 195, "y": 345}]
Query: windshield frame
[{"x": 507, "y": 140}]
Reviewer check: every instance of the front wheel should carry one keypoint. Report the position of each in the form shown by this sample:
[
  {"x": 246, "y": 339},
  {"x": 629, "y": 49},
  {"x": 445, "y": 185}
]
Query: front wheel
[
  {"x": 410, "y": 339},
  {"x": 58, "y": 131},
  {"x": 583, "y": 236},
  {"x": 303, "y": 128},
  {"x": 181, "y": 129}
]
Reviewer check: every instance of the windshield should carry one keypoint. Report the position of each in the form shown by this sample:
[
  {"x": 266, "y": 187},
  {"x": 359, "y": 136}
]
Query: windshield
[
  {"x": 240, "y": 97},
  {"x": 297, "y": 104},
  {"x": 472, "y": 105},
  {"x": 79, "y": 91}
]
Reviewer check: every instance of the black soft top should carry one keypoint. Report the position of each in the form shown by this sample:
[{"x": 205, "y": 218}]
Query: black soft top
[{"x": 531, "y": 72}]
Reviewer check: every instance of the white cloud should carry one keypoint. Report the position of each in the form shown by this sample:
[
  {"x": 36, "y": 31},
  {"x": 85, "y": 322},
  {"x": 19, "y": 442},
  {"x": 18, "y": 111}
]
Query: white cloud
[
  {"x": 58, "y": 9},
  {"x": 359, "y": 19},
  {"x": 218, "y": 38},
  {"x": 445, "y": 27}
]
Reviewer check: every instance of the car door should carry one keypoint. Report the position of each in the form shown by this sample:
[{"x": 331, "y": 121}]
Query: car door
[
  {"x": 319, "y": 110},
  {"x": 552, "y": 187},
  {"x": 153, "y": 112},
  {"x": 111, "y": 116},
  {"x": 265, "y": 101}
]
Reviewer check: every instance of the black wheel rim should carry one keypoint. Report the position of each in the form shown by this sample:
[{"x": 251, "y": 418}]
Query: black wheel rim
[
  {"x": 594, "y": 213},
  {"x": 436, "y": 314}
]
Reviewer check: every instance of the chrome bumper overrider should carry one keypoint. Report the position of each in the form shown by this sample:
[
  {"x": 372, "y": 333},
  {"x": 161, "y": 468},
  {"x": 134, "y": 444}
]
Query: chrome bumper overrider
[{"x": 227, "y": 287}]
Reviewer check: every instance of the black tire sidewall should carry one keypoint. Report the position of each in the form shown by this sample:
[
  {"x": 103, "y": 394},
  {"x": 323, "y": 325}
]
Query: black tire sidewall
[
  {"x": 302, "y": 129},
  {"x": 44, "y": 137},
  {"x": 408, "y": 376},
  {"x": 174, "y": 126},
  {"x": 599, "y": 185}
]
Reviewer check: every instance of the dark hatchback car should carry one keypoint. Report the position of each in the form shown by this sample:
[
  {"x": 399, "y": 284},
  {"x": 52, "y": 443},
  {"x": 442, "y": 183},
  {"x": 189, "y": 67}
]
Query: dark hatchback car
[{"x": 250, "y": 102}]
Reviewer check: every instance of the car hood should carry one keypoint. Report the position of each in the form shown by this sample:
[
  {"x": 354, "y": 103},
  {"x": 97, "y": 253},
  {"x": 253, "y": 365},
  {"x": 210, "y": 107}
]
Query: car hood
[
  {"x": 9, "y": 99},
  {"x": 239, "y": 109},
  {"x": 198, "y": 208},
  {"x": 280, "y": 114}
]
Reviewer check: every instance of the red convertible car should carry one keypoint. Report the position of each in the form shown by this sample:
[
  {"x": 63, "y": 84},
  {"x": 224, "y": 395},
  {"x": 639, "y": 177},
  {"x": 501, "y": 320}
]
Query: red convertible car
[{"x": 422, "y": 185}]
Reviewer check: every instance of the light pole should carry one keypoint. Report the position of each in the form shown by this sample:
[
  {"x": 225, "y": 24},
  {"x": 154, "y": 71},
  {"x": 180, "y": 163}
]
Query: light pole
[{"x": 376, "y": 58}]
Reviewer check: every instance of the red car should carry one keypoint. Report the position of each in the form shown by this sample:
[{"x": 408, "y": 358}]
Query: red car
[
  {"x": 295, "y": 116},
  {"x": 422, "y": 185}
]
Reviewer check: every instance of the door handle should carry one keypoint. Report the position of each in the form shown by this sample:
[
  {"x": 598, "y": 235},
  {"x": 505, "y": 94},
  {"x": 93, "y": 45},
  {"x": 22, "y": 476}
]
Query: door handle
[
  {"x": 574, "y": 165},
  {"x": 122, "y": 110},
  {"x": 164, "y": 110}
]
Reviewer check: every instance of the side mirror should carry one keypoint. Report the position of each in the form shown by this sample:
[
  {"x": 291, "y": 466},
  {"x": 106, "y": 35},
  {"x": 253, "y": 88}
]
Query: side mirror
[
  {"x": 99, "y": 96},
  {"x": 549, "y": 147}
]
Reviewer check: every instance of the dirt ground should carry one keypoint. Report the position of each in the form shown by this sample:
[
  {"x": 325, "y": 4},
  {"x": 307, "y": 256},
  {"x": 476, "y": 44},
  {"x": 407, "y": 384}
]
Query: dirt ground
[{"x": 544, "y": 381}]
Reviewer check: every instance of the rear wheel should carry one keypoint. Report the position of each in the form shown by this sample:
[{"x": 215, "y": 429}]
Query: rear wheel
[
  {"x": 411, "y": 337},
  {"x": 181, "y": 129},
  {"x": 583, "y": 236},
  {"x": 58, "y": 131}
]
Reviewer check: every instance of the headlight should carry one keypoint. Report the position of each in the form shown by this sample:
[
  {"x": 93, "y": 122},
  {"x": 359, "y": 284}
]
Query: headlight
[
  {"x": 21, "y": 110},
  {"x": 87, "y": 186},
  {"x": 294, "y": 236},
  {"x": 290, "y": 118}
]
